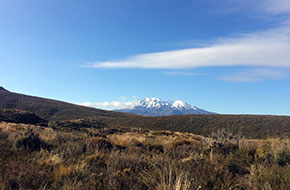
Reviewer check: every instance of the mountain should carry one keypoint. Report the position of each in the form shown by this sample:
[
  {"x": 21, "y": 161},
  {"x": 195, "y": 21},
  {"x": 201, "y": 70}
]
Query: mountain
[
  {"x": 51, "y": 110},
  {"x": 158, "y": 107},
  {"x": 250, "y": 126}
]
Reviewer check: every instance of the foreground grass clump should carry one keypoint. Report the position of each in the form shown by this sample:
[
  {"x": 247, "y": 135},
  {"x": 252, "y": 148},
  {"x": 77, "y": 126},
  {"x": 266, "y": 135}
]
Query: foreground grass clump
[{"x": 106, "y": 158}]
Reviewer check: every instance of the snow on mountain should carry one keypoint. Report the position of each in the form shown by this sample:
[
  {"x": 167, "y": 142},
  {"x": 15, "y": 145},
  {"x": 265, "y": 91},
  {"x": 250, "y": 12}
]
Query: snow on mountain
[{"x": 158, "y": 107}]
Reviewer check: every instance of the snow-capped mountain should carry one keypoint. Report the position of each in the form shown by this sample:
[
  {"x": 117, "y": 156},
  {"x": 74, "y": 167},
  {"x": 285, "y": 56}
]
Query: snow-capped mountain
[{"x": 158, "y": 107}]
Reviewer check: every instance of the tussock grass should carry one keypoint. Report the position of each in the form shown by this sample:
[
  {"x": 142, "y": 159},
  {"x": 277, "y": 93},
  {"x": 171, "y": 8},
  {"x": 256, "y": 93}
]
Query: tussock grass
[{"x": 129, "y": 158}]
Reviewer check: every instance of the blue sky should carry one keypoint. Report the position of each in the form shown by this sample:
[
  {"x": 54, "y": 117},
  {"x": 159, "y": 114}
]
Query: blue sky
[{"x": 224, "y": 56}]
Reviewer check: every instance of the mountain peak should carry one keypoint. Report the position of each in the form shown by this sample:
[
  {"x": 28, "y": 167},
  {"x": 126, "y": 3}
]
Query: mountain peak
[
  {"x": 179, "y": 104},
  {"x": 157, "y": 107},
  {"x": 151, "y": 102}
]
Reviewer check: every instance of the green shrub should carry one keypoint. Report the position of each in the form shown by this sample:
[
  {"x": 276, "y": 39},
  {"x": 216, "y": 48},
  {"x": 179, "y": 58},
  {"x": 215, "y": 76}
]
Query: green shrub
[
  {"x": 238, "y": 162},
  {"x": 283, "y": 157}
]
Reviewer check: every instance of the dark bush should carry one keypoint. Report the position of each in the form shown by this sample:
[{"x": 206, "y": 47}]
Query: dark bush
[
  {"x": 32, "y": 142},
  {"x": 100, "y": 144},
  {"x": 283, "y": 157}
]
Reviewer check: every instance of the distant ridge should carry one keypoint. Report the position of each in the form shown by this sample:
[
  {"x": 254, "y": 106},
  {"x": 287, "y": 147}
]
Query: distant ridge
[
  {"x": 3, "y": 89},
  {"x": 158, "y": 107},
  {"x": 250, "y": 126},
  {"x": 51, "y": 110}
]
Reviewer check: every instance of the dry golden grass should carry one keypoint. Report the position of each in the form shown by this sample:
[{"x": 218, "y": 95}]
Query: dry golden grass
[
  {"x": 62, "y": 171},
  {"x": 127, "y": 139},
  {"x": 246, "y": 143},
  {"x": 15, "y": 130},
  {"x": 136, "y": 159},
  {"x": 47, "y": 158},
  {"x": 167, "y": 177},
  {"x": 166, "y": 139},
  {"x": 279, "y": 145},
  {"x": 13, "y": 127}
]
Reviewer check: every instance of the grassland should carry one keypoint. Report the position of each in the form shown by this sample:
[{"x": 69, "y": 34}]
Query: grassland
[
  {"x": 55, "y": 145},
  {"x": 98, "y": 156},
  {"x": 249, "y": 126}
]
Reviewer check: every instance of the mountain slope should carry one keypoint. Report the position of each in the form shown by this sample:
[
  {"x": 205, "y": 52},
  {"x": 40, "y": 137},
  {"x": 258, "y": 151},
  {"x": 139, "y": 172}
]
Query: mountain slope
[
  {"x": 249, "y": 126},
  {"x": 19, "y": 116},
  {"x": 157, "y": 107},
  {"x": 52, "y": 110}
]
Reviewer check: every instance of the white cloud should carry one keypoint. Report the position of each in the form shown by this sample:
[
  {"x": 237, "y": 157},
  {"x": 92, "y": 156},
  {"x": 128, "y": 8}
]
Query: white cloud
[
  {"x": 113, "y": 104},
  {"x": 277, "y": 6},
  {"x": 269, "y": 48},
  {"x": 256, "y": 75},
  {"x": 182, "y": 73}
]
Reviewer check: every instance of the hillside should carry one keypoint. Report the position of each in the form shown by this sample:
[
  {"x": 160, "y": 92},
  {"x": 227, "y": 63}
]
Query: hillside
[
  {"x": 19, "y": 116},
  {"x": 250, "y": 126},
  {"x": 52, "y": 110}
]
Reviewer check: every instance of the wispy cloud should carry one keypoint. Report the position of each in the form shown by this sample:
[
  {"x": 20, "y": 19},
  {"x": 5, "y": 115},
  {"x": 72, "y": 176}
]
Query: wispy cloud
[
  {"x": 123, "y": 104},
  {"x": 260, "y": 49},
  {"x": 269, "y": 48},
  {"x": 256, "y": 75},
  {"x": 277, "y": 6},
  {"x": 252, "y": 8},
  {"x": 182, "y": 73}
]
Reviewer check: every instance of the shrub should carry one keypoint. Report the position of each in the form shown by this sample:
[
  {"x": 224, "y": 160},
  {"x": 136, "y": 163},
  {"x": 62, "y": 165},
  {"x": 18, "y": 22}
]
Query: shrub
[
  {"x": 264, "y": 152},
  {"x": 283, "y": 157},
  {"x": 223, "y": 142},
  {"x": 32, "y": 142},
  {"x": 139, "y": 160},
  {"x": 272, "y": 178},
  {"x": 238, "y": 162},
  {"x": 98, "y": 143}
]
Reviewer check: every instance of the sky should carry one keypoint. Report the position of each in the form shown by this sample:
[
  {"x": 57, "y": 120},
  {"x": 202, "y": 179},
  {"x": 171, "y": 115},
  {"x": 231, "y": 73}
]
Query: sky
[{"x": 224, "y": 56}]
